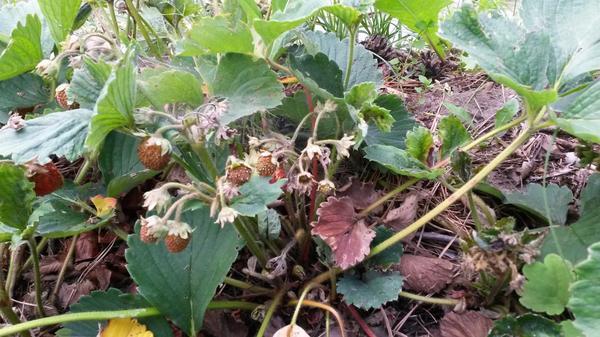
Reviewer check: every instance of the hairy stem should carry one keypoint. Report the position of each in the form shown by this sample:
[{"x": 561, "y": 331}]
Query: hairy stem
[
  {"x": 326, "y": 307},
  {"x": 207, "y": 161},
  {"x": 138, "y": 21},
  {"x": 427, "y": 299},
  {"x": 37, "y": 277},
  {"x": 6, "y": 308},
  {"x": 240, "y": 226},
  {"x": 245, "y": 285},
  {"x": 350, "y": 58},
  {"x": 274, "y": 304},
  {"x": 299, "y": 306},
  {"x": 113, "y": 19},
  {"x": 83, "y": 170}
]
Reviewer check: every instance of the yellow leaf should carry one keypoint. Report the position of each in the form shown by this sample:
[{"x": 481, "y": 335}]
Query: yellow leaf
[
  {"x": 125, "y": 327},
  {"x": 104, "y": 206},
  {"x": 288, "y": 80}
]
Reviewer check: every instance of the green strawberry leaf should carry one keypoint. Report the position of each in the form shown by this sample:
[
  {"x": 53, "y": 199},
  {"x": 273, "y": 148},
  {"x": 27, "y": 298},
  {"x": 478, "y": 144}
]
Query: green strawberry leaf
[
  {"x": 350, "y": 16},
  {"x": 399, "y": 161},
  {"x": 218, "y": 34},
  {"x": 372, "y": 290},
  {"x": 364, "y": 65},
  {"x": 59, "y": 220},
  {"x": 534, "y": 199},
  {"x": 24, "y": 50},
  {"x": 111, "y": 299},
  {"x": 87, "y": 82},
  {"x": 572, "y": 241},
  {"x": 248, "y": 85},
  {"x": 528, "y": 325},
  {"x": 114, "y": 108},
  {"x": 582, "y": 117},
  {"x": 59, "y": 133},
  {"x": 269, "y": 224},
  {"x": 389, "y": 256},
  {"x": 419, "y": 142},
  {"x": 403, "y": 123},
  {"x": 120, "y": 165},
  {"x": 294, "y": 13},
  {"x": 453, "y": 135},
  {"x": 161, "y": 86},
  {"x": 547, "y": 286},
  {"x": 506, "y": 113},
  {"x": 584, "y": 302},
  {"x": 534, "y": 50},
  {"x": 16, "y": 196},
  {"x": 182, "y": 285},
  {"x": 420, "y": 17},
  {"x": 60, "y": 15},
  {"x": 23, "y": 91},
  {"x": 590, "y": 196},
  {"x": 320, "y": 74},
  {"x": 256, "y": 194}
]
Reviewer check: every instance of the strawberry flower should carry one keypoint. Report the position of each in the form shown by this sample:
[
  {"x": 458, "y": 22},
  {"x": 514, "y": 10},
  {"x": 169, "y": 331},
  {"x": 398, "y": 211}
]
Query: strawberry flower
[
  {"x": 226, "y": 215},
  {"x": 158, "y": 199}
]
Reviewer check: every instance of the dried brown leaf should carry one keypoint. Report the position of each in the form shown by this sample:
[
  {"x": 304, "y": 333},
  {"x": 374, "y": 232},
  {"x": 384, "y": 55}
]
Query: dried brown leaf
[
  {"x": 70, "y": 293},
  {"x": 87, "y": 246},
  {"x": 402, "y": 216},
  {"x": 220, "y": 324},
  {"x": 467, "y": 324},
  {"x": 349, "y": 239},
  {"x": 425, "y": 274},
  {"x": 50, "y": 264}
]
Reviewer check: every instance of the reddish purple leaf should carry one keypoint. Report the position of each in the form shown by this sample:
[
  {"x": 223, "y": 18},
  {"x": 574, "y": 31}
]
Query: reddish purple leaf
[{"x": 349, "y": 239}]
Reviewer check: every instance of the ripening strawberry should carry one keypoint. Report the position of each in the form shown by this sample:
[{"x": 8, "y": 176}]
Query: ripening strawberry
[
  {"x": 46, "y": 178},
  {"x": 238, "y": 174},
  {"x": 154, "y": 152},
  {"x": 63, "y": 99},
  {"x": 265, "y": 165},
  {"x": 176, "y": 243},
  {"x": 146, "y": 234}
]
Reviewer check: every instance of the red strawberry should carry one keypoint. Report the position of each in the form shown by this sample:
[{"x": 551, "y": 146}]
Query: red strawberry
[
  {"x": 279, "y": 174},
  {"x": 238, "y": 174},
  {"x": 264, "y": 165},
  {"x": 176, "y": 243},
  {"x": 46, "y": 178},
  {"x": 154, "y": 153}
]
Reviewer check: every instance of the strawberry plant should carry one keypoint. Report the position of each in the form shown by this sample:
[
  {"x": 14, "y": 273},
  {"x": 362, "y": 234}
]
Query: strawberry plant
[{"x": 255, "y": 157}]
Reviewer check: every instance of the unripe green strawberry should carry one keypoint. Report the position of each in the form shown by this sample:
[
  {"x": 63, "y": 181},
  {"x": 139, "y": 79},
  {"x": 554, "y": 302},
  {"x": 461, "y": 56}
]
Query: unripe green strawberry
[
  {"x": 176, "y": 243},
  {"x": 154, "y": 153}
]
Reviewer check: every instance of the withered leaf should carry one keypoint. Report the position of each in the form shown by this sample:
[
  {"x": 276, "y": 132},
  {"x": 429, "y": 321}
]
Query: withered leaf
[
  {"x": 402, "y": 216},
  {"x": 348, "y": 238},
  {"x": 466, "y": 324},
  {"x": 362, "y": 194},
  {"x": 425, "y": 274}
]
